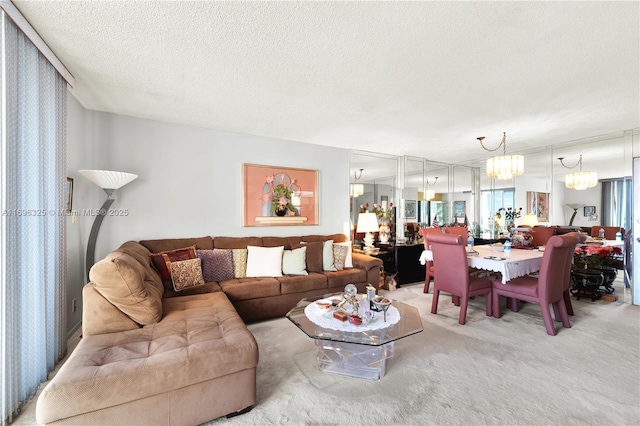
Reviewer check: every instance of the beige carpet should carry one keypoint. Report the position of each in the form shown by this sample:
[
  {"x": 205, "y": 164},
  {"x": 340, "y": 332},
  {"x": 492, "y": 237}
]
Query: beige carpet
[{"x": 490, "y": 371}]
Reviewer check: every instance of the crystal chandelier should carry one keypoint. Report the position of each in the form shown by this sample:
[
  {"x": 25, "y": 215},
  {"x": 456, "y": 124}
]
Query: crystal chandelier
[
  {"x": 579, "y": 180},
  {"x": 503, "y": 166}
]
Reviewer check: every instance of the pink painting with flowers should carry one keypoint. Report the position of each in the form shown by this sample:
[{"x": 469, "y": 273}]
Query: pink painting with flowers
[{"x": 274, "y": 195}]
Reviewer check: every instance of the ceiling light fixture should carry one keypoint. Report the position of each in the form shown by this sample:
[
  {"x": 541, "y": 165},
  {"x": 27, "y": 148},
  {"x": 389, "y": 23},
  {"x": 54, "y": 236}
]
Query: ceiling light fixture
[
  {"x": 356, "y": 189},
  {"x": 579, "y": 180},
  {"x": 504, "y": 166},
  {"x": 430, "y": 194}
]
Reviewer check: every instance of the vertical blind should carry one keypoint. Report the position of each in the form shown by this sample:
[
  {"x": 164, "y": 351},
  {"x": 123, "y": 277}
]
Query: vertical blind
[
  {"x": 33, "y": 221},
  {"x": 617, "y": 203}
]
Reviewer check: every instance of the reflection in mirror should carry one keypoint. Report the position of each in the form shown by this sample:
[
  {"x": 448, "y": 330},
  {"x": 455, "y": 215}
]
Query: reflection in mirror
[{"x": 378, "y": 179}]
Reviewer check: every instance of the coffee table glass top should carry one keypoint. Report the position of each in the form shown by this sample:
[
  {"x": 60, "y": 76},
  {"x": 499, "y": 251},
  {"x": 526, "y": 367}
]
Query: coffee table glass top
[{"x": 410, "y": 323}]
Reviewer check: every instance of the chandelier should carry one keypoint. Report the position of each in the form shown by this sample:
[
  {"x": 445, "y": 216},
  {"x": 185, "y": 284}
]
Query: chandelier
[
  {"x": 356, "y": 189},
  {"x": 430, "y": 194},
  {"x": 503, "y": 166},
  {"x": 579, "y": 180}
]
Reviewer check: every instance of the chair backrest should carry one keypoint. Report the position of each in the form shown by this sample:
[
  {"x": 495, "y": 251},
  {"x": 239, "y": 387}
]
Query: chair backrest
[
  {"x": 541, "y": 235},
  {"x": 425, "y": 232},
  {"x": 567, "y": 273},
  {"x": 451, "y": 257},
  {"x": 552, "y": 277},
  {"x": 609, "y": 231},
  {"x": 457, "y": 230}
]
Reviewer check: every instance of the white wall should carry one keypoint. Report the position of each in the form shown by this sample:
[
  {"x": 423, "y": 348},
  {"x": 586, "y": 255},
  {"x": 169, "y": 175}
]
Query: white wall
[{"x": 189, "y": 185}]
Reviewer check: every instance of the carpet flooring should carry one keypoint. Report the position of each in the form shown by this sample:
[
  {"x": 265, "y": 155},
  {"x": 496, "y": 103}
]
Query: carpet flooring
[{"x": 489, "y": 371}]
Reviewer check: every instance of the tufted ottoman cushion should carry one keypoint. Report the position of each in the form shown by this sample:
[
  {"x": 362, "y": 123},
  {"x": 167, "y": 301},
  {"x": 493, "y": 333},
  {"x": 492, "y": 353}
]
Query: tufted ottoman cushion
[{"x": 199, "y": 339}]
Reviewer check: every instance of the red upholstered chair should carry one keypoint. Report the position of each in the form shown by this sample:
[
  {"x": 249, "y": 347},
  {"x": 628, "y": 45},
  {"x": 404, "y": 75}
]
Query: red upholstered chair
[
  {"x": 609, "y": 231},
  {"x": 429, "y": 269},
  {"x": 541, "y": 235},
  {"x": 548, "y": 288},
  {"x": 457, "y": 230},
  {"x": 566, "y": 295},
  {"x": 452, "y": 275}
]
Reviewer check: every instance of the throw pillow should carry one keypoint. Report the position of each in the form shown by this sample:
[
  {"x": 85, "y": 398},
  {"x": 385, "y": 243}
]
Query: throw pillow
[
  {"x": 339, "y": 256},
  {"x": 314, "y": 255},
  {"x": 186, "y": 273},
  {"x": 264, "y": 261},
  {"x": 160, "y": 261},
  {"x": 217, "y": 265},
  {"x": 294, "y": 261},
  {"x": 239, "y": 263},
  {"x": 348, "y": 263},
  {"x": 327, "y": 256}
]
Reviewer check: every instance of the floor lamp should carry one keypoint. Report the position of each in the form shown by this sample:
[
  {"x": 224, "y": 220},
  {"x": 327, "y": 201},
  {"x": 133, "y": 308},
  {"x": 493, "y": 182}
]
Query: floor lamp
[
  {"x": 575, "y": 208},
  {"x": 109, "y": 181}
]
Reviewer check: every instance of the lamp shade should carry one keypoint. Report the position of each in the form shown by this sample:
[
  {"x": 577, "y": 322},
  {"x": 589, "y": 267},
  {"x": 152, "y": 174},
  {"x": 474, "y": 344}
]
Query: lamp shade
[
  {"x": 581, "y": 180},
  {"x": 107, "y": 179},
  {"x": 505, "y": 166},
  {"x": 530, "y": 219},
  {"x": 367, "y": 222},
  {"x": 357, "y": 189}
]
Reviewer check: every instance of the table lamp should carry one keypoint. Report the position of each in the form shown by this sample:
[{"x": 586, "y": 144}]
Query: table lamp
[
  {"x": 367, "y": 223},
  {"x": 530, "y": 219},
  {"x": 109, "y": 181}
]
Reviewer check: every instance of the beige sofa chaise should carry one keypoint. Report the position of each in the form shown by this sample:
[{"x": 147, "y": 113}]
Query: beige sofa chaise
[{"x": 149, "y": 356}]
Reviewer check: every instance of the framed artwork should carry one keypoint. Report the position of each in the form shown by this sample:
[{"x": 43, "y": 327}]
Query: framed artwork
[
  {"x": 410, "y": 209},
  {"x": 537, "y": 204},
  {"x": 459, "y": 209},
  {"x": 589, "y": 211},
  {"x": 279, "y": 196},
  {"x": 69, "y": 189},
  {"x": 384, "y": 201}
]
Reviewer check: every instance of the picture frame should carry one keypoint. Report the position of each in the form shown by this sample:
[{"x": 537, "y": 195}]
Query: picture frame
[
  {"x": 258, "y": 184},
  {"x": 410, "y": 209},
  {"x": 538, "y": 205},
  {"x": 69, "y": 193},
  {"x": 459, "y": 209},
  {"x": 588, "y": 211}
]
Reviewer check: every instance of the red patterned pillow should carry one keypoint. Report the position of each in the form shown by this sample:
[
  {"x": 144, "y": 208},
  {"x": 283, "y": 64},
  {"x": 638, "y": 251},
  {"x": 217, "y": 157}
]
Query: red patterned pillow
[
  {"x": 186, "y": 273},
  {"x": 162, "y": 260}
]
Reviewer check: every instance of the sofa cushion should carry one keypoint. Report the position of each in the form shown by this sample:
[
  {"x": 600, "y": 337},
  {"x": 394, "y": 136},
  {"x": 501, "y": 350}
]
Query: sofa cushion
[
  {"x": 236, "y": 242},
  {"x": 217, "y": 264},
  {"x": 161, "y": 261},
  {"x": 211, "y": 287},
  {"x": 299, "y": 284},
  {"x": 337, "y": 238},
  {"x": 346, "y": 276},
  {"x": 276, "y": 242},
  {"x": 239, "y": 263},
  {"x": 294, "y": 261},
  {"x": 141, "y": 254},
  {"x": 348, "y": 262},
  {"x": 340, "y": 256},
  {"x": 313, "y": 255},
  {"x": 327, "y": 256},
  {"x": 120, "y": 279},
  {"x": 186, "y": 273},
  {"x": 168, "y": 244},
  {"x": 250, "y": 288},
  {"x": 264, "y": 261}
]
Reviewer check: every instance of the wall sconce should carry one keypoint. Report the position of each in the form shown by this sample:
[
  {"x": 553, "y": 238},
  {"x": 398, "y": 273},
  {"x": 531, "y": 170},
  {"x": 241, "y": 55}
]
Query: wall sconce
[
  {"x": 356, "y": 189},
  {"x": 503, "y": 166},
  {"x": 109, "y": 181},
  {"x": 579, "y": 180},
  {"x": 368, "y": 223}
]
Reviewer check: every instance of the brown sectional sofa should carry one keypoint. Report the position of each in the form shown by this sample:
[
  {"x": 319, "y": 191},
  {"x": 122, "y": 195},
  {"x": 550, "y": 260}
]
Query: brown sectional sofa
[{"x": 153, "y": 356}]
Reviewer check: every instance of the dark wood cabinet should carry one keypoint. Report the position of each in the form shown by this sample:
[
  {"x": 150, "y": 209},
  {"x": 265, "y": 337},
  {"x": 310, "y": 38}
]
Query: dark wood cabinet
[{"x": 408, "y": 263}]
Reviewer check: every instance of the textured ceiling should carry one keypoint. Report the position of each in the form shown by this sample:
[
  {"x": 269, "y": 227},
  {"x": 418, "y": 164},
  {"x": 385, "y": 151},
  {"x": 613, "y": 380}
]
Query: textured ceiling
[{"x": 420, "y": 78}]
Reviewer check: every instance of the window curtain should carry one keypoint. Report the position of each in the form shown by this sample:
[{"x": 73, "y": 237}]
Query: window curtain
[
  {"x": 617, "y": 200},
  {"x": 33, "y": 221}
]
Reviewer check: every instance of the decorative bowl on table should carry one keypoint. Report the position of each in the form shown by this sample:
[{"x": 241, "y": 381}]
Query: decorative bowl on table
[
  {"x": 382, "y": 303},
  {"x": 323, "y": 305}
]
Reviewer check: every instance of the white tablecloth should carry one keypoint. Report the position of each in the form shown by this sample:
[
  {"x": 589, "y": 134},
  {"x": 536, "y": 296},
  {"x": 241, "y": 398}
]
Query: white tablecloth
[
  {"x": 325, "y": 319},
  {"x": 520, "y": 262}
]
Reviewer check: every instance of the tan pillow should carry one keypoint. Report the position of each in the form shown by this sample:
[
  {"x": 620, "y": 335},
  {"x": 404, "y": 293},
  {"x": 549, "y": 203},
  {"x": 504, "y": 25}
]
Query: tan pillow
[
  {"x": 186, "y": 274},
  {"x": 339, "y": 256},
  {"x": 239, "y": 263},
  {"x": 120, "y": 279}
]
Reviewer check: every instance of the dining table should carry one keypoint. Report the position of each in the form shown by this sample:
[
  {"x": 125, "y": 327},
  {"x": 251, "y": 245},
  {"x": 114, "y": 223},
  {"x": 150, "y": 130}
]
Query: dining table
[{"x": 517, "y": 263}]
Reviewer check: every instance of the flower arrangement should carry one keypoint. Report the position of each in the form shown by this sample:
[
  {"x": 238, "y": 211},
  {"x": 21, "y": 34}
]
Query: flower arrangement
[
  {"x": 509, "y": 213},
  {"x": 594, "y": 257},
  {"x": 384, "y": 215},
  {"x": 280, "y": 194}
]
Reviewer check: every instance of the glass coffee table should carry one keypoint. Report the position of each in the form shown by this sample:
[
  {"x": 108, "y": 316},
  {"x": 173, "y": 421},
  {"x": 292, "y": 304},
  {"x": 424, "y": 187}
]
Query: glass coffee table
[{"x": 356, "y": 351}]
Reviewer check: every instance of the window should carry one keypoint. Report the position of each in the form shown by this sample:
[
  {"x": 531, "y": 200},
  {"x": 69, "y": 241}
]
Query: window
[{"x": 491, "y": 201}]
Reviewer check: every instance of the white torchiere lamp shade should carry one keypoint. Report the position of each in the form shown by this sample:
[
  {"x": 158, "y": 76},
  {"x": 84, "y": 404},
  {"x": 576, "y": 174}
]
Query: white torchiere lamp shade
[
  {"x": 109, "y": 181},
  {"x": 367, "y": 223}
]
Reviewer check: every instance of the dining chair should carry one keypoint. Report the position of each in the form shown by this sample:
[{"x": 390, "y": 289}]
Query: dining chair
[
  {"x": 541, "y": 235},
  {"x": 429, "y": 269},
  {"x": 457, "y": 230},
  {"x": 566, "y": 294},
  {"x": 609, "y": 231},
  {"x": 453, "y": 276},
  {"x": 546, "y": 289}
]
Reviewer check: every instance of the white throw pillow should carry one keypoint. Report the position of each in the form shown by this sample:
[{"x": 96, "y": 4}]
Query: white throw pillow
[
  {"x": 348, "y": 263},
  {"x": 327, "y": 256},
  {"x": 294, "y": 262},
  {"x": 264, "y": 261}
]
